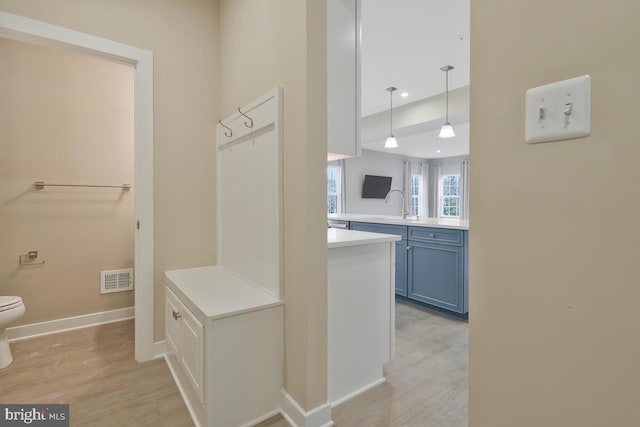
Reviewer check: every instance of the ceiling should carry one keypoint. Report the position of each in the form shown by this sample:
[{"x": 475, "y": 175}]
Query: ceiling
[
  {"x": 404, "y": 44},
  {"x": 426, "y": 144}
]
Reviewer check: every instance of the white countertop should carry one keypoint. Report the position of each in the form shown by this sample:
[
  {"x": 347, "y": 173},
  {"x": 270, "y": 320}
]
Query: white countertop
[
  {"x": 456, "y": 224},
  {"x": 216, "y": 292},
  {"x": 337, "y": 238}
]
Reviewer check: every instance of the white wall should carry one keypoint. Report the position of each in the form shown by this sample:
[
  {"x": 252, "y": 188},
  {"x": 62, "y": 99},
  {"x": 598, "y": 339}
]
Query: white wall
[
  {"x": 449, "y": 165},
  {"x": 386, "y": 164},
  {"x": 374, "y": 163}
]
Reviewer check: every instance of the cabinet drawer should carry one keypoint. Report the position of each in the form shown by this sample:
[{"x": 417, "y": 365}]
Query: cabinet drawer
[
  {"x": 436, "y": 235},
  {"x": 398, "y": 230}
]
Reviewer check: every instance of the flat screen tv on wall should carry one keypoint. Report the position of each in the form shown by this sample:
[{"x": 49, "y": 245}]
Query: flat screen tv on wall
[{"x": 375, "y": 187}]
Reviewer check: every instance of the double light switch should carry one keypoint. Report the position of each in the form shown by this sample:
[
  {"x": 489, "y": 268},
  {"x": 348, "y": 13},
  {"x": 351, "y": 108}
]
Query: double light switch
[{"x": 558, "y": 111}]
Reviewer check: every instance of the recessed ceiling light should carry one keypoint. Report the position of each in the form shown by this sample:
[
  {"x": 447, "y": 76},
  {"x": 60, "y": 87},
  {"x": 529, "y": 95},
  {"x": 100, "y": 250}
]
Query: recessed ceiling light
[
  {"x": 437, "y": 151},
  {"x": 404, "y": 94}
]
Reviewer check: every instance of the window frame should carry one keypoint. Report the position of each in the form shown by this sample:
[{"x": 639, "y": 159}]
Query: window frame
[
  {"x": 417, "y": 197},
  {"x": 457, "y": 197},
  {"x": 338, "y": 193}
]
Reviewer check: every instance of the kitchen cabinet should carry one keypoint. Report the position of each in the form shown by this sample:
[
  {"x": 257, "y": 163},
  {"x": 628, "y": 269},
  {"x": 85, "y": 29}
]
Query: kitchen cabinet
[
  {"x": 435, "y": 275},
  {"x": 343, "y": 79},
  {"x": 224, "y": 346},
  {"x": 401, "y": 249},
  {"x": 436, "y": 267},
  {"x": 401, "y": 267},
  {"x": 185, "y": 339},
  {"x": 361, "y": 311},
  {"x": 431, "y": 264}
]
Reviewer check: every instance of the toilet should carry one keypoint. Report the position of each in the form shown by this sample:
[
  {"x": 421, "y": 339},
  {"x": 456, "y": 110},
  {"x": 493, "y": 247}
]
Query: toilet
[{"x": 11, "y": 309}]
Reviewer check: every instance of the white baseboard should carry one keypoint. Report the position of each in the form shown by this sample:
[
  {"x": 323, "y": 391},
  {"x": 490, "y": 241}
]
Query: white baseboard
[
  {"x": 158, "y": 349},
  {"x": 258, "y": 420},
  {"x": 69, "y": 324},
  {"x": 298, "y": 417},
  {"x": 357, "y": 392}
]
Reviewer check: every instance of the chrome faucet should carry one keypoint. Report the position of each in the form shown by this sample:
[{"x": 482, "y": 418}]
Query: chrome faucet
[{"x": 386, "y": 200}]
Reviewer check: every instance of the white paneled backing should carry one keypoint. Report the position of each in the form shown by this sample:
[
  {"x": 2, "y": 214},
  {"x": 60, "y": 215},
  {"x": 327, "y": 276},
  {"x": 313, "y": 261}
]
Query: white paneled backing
[{"x": 250, "y": 193}]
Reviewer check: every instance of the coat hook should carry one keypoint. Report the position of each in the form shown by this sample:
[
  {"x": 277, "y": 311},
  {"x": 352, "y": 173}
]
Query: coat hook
[
  {"x": 250, "y": 124},
  {"x": 228, "y": 133}
]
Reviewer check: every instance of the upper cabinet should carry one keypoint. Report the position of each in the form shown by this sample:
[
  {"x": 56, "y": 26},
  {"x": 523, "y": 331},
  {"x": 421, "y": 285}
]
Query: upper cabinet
[{"x": 343, "y": 78}]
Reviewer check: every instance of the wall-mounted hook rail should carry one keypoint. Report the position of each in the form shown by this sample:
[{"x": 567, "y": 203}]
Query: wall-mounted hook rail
[
  {"x": 247, "y": 124},
  {"x": 229, "y": 132}
]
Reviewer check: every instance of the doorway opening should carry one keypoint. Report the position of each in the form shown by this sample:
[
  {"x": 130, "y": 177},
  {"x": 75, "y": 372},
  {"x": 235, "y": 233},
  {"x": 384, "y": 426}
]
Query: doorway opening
[
  {"x": 34, "y": 32},
  {"x": 413, "y": 71}
]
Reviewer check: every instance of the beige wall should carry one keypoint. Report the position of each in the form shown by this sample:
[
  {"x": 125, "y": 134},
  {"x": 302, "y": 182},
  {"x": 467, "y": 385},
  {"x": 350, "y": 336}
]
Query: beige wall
[
  {"x": 183, "y": 36},
  {"x": 554, "y": 283},
  {"x": 67, "y": 118},
  {"x": 264, "y": 44},
  {"x": 288, "y": 50}
]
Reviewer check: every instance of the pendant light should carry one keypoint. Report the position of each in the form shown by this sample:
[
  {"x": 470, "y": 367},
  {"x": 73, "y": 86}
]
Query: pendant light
[
  {"x": 391, "y": 140},
  {"x": 446, "y": 131}
]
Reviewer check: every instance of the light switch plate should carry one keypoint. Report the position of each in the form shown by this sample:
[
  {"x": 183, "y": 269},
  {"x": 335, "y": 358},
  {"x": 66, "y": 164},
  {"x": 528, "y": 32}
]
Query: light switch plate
[{"x": 557, "y": 111}]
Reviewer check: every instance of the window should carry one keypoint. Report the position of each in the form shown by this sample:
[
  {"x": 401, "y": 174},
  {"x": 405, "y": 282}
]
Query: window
[
  {"x": 334, "y": 204},
  {"x": 416, "y": 191},
  {"x": 450, "y": 196}
]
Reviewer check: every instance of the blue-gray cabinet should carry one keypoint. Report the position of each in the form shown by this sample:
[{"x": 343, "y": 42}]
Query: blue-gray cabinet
[
  {"x": 436, "y": 267},
  {"x": 431, "y": 264},
  {"x": 401, "y": 268},
  {"x": 436, "y": 275},
  {"x": 401, "y": 249}
]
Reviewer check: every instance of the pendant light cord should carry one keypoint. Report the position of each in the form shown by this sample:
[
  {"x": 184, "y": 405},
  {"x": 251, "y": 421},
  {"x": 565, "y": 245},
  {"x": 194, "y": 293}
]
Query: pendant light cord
[
  {"x": 391, "y": 89},
  {"x": 390, "y": 112},
  {"x": 446, "y": 131},
  {"x": 447, "y": 96},
  {"x": 446, "y": 70}
]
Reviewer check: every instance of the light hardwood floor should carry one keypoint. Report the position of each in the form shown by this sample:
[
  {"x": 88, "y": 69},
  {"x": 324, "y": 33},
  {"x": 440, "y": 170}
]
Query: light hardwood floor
[
  {"x": 427, "y": 381},
  {"x": 94, "y": 371}
]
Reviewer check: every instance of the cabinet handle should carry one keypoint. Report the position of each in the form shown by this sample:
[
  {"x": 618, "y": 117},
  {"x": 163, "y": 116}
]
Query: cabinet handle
[
  {"x": 176, "y": 315},
  {"x": 433, "y": 236},
  {"x": 408, "y": 248}
]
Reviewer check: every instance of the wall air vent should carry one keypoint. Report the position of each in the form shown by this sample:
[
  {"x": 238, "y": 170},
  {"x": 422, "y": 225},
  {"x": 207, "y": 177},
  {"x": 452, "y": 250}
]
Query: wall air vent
[{"x": 116, "y": 281}]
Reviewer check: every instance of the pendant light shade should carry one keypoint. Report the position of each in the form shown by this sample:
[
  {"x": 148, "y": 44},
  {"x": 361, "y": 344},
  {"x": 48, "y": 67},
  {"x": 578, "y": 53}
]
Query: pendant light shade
[
  {"x": 391, "y": 140},
  {"x": 446, "y": 131}
]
